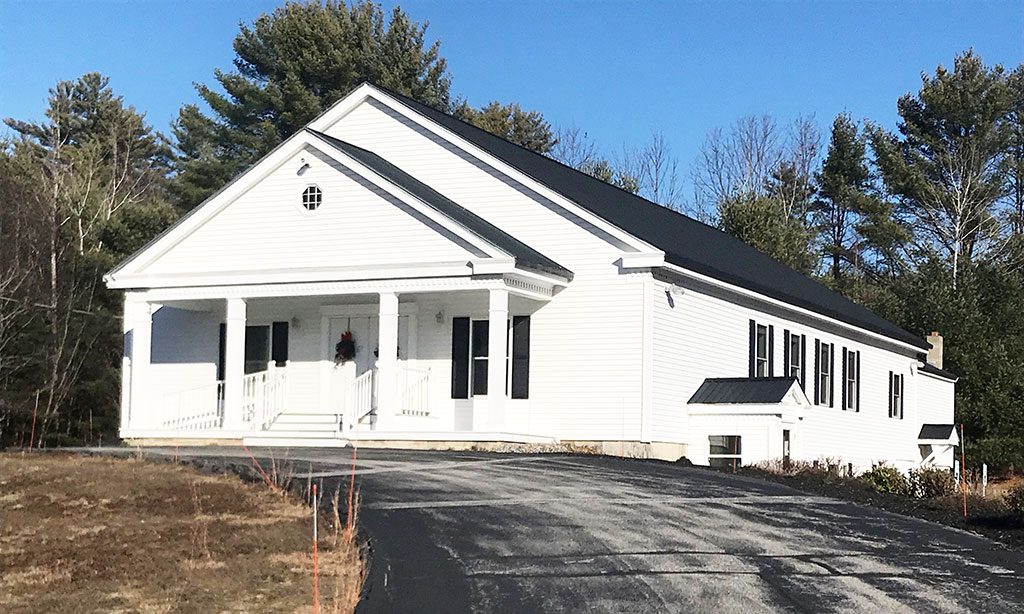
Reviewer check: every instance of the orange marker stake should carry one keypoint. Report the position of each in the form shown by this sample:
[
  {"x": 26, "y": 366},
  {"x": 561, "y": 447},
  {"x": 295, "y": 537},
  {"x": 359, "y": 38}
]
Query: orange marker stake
[
  {"x": 265, "y": 476},
  {"x": 963, "y": 467},
  {"x": 316, "y": 583},
  {"x": 351, "y": 488}
]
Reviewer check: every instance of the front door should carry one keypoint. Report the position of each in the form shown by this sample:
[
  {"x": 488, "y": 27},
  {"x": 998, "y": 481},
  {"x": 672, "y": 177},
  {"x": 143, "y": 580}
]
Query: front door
[
  {"x": 785, "y": 448},
  {"x": 364, "y": 331}
]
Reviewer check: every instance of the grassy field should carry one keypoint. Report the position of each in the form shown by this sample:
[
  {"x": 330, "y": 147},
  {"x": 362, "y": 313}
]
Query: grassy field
[{"x": 103, "y": 535}]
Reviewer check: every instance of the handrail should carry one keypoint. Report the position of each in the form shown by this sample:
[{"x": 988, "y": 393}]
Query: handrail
[
  {"x": 264, "y": 396},
  {"x": 414, "y": 386},
  {"x": 362, "y": 397},
  {"x": 194, "y": 409}
]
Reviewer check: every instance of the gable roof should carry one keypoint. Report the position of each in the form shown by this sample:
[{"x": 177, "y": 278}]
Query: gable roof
[
  {"x": 525, "y": 256},
  {"x": 686, "y": 242},
  {"x": 469, "y": 224},
  {"x": 733, "y": 390}
]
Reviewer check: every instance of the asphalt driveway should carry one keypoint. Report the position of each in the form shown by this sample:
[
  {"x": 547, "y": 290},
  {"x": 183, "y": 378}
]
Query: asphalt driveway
[{"x": 460, "y": 531}]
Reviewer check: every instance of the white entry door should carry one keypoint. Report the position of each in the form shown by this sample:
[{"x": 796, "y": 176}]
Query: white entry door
[{"x": 365, "y": 332}]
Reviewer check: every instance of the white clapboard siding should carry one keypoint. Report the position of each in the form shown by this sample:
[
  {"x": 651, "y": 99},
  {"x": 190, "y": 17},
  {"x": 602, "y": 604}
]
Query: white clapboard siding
[
  {"x": 586, "y": 344},
  {"x": 267, "y": 228},
  {"x": 934, "y": 399},
  {"x": 184, "y": 350},
  {"x": 706, "y": 336}
]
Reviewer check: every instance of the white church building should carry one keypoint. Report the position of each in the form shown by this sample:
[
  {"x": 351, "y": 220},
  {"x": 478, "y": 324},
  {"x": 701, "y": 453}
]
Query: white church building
[{"x": 393, "y": 276}]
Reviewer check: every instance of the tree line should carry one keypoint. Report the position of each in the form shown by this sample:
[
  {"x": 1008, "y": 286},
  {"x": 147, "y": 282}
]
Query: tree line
[{"x": 922, "y": 225}]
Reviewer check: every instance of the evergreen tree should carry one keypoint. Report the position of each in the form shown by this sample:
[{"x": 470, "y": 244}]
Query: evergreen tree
[
  {"x": 945, "y": 167},
  {"x": 511, "y": 122},
  {"x": 291, "y": 65}
]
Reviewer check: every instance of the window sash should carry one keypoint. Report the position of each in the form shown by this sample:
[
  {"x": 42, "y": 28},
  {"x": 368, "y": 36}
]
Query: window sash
[
  {"x": 478, "y": 348},
  {"x": 761, "y": 352},
  {"x": 825, "y": 375},
  {"x": 795, "y": 345},
  {"x": 851, "y": 380}
]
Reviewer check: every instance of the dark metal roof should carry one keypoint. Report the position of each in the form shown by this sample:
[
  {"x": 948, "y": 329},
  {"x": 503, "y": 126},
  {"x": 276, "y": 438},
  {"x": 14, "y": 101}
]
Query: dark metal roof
[
  {"x": 686, "y": 242},
  {"x": 730, "y": 390},
  {"x": 931, "y": 369},
  {"x": 936, "y": 431},
  {"x": 526, "y": 257}
]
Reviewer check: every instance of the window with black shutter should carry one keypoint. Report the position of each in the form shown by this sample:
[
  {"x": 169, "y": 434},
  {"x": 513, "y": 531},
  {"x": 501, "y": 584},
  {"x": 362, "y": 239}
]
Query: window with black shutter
[
  {"x": 823, "y": 368},
  {"x": 521, "y": 357},
  {"x": 460, "y": 358},
  {"x": 851, "y": 380},
  {"x": 479, "y": 335},
  {"x": 279, "y": 343},
  {"x": 794, "y": 354},
  {"x": 760, "y": 350},
  {"x": 895, "y": 395}
]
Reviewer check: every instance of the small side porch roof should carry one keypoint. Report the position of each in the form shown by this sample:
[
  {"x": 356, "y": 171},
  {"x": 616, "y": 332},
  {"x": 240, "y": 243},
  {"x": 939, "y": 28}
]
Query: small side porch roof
[
  {"x": 750, "y": 396},
  {"x": 748, "y": 390},
  {"x": 938, "y": 435}
]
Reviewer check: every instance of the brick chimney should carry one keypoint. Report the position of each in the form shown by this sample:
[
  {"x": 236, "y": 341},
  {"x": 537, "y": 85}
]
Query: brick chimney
[{"x": 935, "y": 354}]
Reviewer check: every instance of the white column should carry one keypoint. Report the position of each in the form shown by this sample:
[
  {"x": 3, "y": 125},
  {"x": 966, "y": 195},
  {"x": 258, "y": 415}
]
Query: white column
[
  {"x": 387, "y": 359},
  {"x": 234, "y": 363},
  {"x": 497, "y": 347},
  {"x": 141, "y": 411}
]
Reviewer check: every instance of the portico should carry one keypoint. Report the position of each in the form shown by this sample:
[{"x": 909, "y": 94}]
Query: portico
[{"x": 274, "y": 370}]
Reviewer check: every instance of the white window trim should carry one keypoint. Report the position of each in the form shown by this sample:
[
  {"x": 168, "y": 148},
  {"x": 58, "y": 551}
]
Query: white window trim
[
  {"x": 852, "y": 378},
  {"x": 300, "y": 201},
  {"x": 758, "y": 360},
  {"x": 824, "y": 368},
  {"x": 795, "y": 358}
]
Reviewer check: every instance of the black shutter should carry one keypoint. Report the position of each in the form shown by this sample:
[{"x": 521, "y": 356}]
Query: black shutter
[
  {"x": 753, "y": 349},
  {"x": 279, "y": 343},
  {"x": 460, "y": 358},
  {"x": 803, "y": 363},
  {"x": 856, "y": 359},
  {"x": 222, "y": 350},
  {"x": 785, "y": 353},
  {"x": 520, "y": 357},
  {"x": 771, "y": 351},
  {"x": 817, "y": 372},
  {"x": 891, "y": 404},
  {"x": 831, "y": 375},
  {"x": 842, "y": 382}
]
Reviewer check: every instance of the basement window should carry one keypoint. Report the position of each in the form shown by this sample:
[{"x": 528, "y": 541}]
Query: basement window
[
  {"x": 312, "y": 198},
  {"x": 725, "y": 451}
]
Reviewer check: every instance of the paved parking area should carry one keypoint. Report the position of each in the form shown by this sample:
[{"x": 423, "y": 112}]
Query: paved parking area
[{"x": 460, "y": 531}]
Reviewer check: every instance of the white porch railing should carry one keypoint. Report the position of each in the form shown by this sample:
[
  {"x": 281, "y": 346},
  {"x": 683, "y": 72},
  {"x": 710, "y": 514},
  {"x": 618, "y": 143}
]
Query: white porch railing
[
  {"x": 264, "y": 395},
  {"x": 194, "y": 409},
  {"x": 414, "y": 385},
  {"x": 361, "y": 400}
]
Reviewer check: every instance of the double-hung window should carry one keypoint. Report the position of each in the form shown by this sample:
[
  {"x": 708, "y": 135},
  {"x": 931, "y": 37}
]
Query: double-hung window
[
  {"x": 895, "y": 395},
  {"x": 795, "y": 354},
  {"x": 824, "y": 369},
  {"x": 471, "y": 358},
  {"x": 851, "y": 380},
  {"x": 761, "y": 349}
]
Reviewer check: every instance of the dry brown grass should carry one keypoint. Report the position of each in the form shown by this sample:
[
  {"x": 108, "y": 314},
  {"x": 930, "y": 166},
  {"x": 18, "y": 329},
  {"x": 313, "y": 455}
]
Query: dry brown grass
[{"x": 102, "y": 535}]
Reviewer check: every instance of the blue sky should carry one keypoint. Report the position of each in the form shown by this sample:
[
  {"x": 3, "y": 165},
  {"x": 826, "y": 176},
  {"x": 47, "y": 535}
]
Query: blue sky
[{"x": 619, "y": 70}]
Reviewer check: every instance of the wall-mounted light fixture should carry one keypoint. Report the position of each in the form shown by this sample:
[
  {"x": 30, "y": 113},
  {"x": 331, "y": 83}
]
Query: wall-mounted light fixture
[
  {"x": 439, "y": 318},
  {"x": 302, "y": 169}
]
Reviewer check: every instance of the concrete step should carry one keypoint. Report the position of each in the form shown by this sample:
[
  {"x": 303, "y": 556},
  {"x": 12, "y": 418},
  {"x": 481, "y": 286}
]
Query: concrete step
[
  {"x": 299, "y": 430},
  {"x": 288, "y": 417},
  {"x": 295, "y": 442}
]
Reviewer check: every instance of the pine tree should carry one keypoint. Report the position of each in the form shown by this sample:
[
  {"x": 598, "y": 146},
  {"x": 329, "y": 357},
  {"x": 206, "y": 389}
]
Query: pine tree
[
  {"x": 945, "y": 167},
  {"x": 291, "y": 65}
]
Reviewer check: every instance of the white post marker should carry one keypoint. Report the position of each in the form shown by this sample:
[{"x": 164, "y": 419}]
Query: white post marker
[{"x": 984, "y": 478}]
